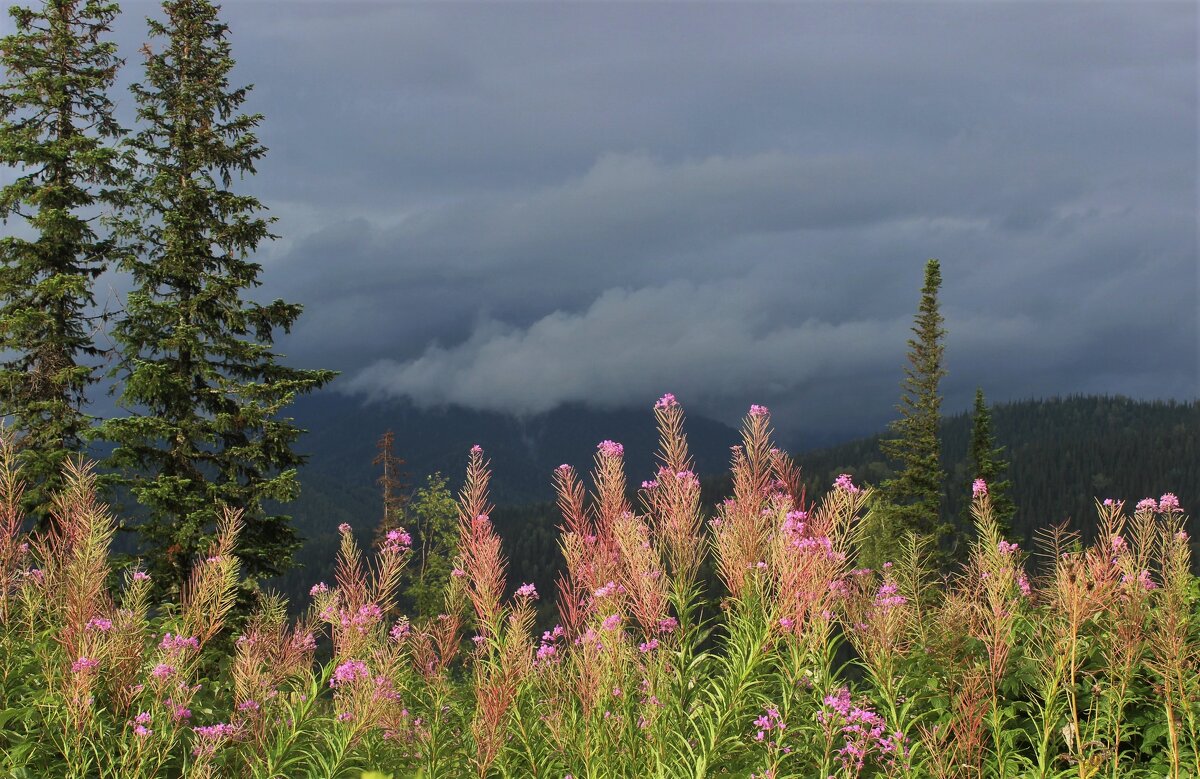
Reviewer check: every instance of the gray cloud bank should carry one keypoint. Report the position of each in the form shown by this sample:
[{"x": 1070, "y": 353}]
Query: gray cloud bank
[{"x": 514, "y": 206}]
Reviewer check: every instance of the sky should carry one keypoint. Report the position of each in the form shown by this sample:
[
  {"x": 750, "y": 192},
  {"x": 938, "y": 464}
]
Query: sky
[{"x": 515, "y": 206}]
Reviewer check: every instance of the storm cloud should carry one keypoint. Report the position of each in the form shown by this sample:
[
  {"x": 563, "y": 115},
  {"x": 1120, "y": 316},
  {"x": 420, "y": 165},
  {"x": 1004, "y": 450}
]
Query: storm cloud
[{"x": 511, "y": 207}]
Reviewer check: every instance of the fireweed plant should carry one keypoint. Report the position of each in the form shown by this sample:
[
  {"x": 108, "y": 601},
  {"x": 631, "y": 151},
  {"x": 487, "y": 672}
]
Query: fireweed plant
[{"x": 810, "y": 666}]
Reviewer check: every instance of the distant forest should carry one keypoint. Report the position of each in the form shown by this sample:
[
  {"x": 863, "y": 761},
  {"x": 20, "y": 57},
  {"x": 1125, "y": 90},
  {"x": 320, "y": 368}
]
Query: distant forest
[{"x": 1063, "y": 454}]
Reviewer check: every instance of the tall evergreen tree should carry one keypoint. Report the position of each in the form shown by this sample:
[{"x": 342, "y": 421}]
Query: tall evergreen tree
[
  {"x": 203, "y": 386},
  {"x": 57, "y": 131},
  {"x": 911, "y": 502},
  {"x": 986, "y": 461}
]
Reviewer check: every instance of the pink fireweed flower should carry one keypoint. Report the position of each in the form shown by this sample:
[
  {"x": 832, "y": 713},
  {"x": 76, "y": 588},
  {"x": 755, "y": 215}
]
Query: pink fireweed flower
[
  {"x": 348, "y": 671},
  {"x": 344, "y": 527},
  {"x": 527, "y": 591},
  {"x": 979, "y": 488},
  {"x": 1168, "y": 503},
  {"x": 458, "y": 573},
  {"x": 1143, "y": 580},
  {"x": 84, "y": 664},
  {"x": 605, "y": 591},
  {"x": 35, "y": 575},
  {"x": 666, "y": 401},
  {"x": 478, "y": 640},
  {"x": 476, "y": 449},
  {"x": 397, "y": 540},
  {"x": 846, "y": 483},
  {"x": 887, "y": 598},
  {"x": 648, "y": 646},
  {"x": 770, "y": 720},
  {"x": 668, "y": 625},
  {"x": 250, "y": 705},
  {"x": 611, "y": 622},
  {"x": 759, "y": 411},
  {"x": 99, "y": 623},
  {"x": 1005, "y": 547},
  {"x": 1111, "y": 502},
  {"x": 209, "y": 737},
  {"x": 176, "y": 644},
  {"x": 1146, "y": 504},
  {"x": 649, "y": 485},
  {"x": 1117, "y": 542},
  {"x": 401, "y": 630},
  {"x": 1023, "y": 584},
  {"x": 163, "y": 671},
  {"x": 320, "y": 588},
  {"x": 610, "y": 448},
  {"x": 141, "y": 731},
  {"x": 141, "y": 576}
]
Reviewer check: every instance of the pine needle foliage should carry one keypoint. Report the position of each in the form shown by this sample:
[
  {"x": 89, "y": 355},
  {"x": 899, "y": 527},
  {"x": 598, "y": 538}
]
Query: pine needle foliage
[
  {"x": 204, "y": 388},
  {"x": 58, "y": 134},
  {"x": 986, "y": 461},
  {"x": 911, "y": 501}
]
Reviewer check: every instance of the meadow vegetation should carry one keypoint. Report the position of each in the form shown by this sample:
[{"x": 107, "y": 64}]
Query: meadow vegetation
[{"x": 810, "y": 665}]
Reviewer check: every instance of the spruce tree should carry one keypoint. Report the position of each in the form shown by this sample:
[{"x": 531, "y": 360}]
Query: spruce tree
[
  {"x": 58, "y": 133},
  {"x": 911, "y": 501},
  {"x": 205, "y": 390},
  {"x": 986, "y": 461}
]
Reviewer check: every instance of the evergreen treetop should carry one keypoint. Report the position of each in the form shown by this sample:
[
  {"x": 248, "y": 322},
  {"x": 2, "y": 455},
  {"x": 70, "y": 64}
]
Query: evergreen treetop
[
  {"x": 911, "y": 501},
  {"x": 986, "y": 461},
  {"x": 58, "y": 133},
  {"x": 204, "y": 387}
]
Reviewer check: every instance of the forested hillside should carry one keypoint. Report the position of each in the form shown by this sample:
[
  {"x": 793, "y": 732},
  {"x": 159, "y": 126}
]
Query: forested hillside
[{"x": 1063, "y": 454}]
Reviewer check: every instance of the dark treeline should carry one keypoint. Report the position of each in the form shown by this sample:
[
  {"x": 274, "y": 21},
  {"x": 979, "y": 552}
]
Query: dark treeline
[{"x": 1063, "y": 454}]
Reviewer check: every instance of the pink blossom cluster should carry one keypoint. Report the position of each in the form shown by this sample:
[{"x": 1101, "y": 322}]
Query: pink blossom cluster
[
  {"x": 759, "y": 411},
  {"x": 397, "y": 540},
  {"x": 666, "y": 401},
  {"x": 84, "y": 663},
  {"x": 979, "y": 488},
  {"x": 401, "y": 630},
  {"x": 347, "y": 672},
  {"x": 527, "y": 591},
  {"x": 610, "y": 448},
  {"x": 210, "y": 737},
  {"x": 864, "y": 731},
  {"x": 548, "y": 648},
  {"x": 845, "y": 483},
  {"x": 770, "y": 720},
  {"x": 888, "y": 597},
  {"x": 1007, "y": 547},
  {"x": 139, "y": 724},
  {"x": 320, "y": 588},
  {"x": 1143, "y": 580},
  {"x": 177, "y": 644},
  {"x": 99, "y": 623}
]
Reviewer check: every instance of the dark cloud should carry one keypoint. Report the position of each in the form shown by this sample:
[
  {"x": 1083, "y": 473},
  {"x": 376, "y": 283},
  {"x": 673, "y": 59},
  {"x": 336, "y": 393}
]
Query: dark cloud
[{"x": 513, "y": 206}]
